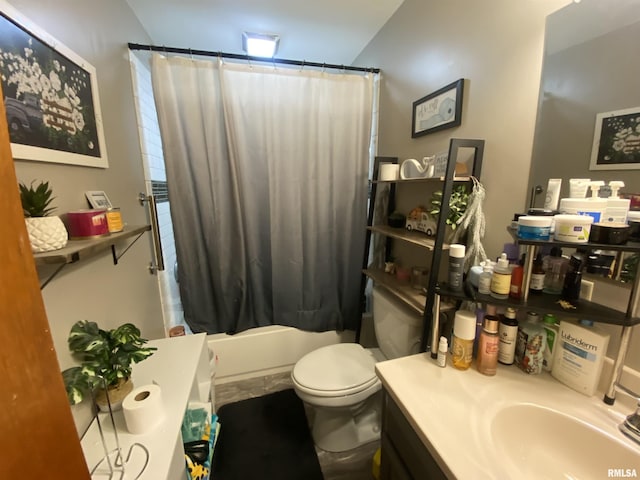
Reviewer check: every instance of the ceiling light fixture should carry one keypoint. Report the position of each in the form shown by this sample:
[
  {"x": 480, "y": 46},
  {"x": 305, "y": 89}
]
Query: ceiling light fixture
[{"x": 260, "y": 44}]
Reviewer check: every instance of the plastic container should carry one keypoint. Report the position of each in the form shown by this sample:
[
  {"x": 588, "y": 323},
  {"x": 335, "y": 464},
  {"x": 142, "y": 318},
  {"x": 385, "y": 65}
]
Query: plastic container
[
  {"x": 556, "y": 269},
  {"x": 484, "y": 281},
  {"x": 532, "y": 227},
  {"x": 464, "y": 332},
  {"x": 572, "y": 228},
  {"x": 579, "y": 355},
  {"x": 593, "y": 207}
]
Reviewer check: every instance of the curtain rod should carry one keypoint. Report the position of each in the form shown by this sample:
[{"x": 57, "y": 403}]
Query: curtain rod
[{"x": 205, "y": 53}]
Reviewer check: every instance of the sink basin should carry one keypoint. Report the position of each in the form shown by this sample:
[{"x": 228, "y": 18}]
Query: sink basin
[{"x": 541, "y": 442}]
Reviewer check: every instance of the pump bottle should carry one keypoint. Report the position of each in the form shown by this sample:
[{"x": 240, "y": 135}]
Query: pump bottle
[{"x": 501, "y": 278}]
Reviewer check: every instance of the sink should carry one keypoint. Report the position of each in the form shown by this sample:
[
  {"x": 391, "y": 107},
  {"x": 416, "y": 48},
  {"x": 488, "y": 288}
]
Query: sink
[{"x": 540, "y": 442}]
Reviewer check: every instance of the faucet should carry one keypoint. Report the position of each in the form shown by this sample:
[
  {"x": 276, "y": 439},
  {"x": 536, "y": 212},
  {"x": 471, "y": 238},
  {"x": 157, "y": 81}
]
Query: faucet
[{"x": 631, "y": 425}]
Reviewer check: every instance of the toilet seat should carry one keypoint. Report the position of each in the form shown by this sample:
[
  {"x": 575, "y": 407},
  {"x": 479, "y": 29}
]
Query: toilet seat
[{"x": 335, "y": 371}]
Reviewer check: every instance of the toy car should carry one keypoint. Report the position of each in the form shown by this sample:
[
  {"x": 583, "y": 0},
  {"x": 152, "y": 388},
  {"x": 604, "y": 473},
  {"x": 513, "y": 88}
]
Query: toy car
[{"x": 424, "y": 223}]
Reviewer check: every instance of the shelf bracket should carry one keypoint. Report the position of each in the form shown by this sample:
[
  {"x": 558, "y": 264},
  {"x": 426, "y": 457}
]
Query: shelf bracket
[
  {"x": 117, "y": 257},
  {"x": 53, "y": 275}
]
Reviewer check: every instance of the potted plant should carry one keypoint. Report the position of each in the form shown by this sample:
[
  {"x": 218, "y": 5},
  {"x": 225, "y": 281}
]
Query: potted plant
[
  {"x": 107, "y": 355},
  {"x": 46, "y": 232},
  {"x": 457, "y": 205}
]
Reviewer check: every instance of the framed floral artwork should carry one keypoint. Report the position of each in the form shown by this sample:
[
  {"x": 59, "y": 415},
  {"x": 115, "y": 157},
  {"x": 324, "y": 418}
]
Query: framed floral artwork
[
  {"x": 616, "y": 140},
  {"x": 50, "y": 96}
]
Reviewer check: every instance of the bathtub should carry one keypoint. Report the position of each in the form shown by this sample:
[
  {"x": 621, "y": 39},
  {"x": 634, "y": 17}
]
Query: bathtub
[{"x": 266, "y": 350}]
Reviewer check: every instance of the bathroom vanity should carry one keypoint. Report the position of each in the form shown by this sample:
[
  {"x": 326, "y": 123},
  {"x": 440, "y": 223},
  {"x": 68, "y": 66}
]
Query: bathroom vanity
[{"x": 446, "y": 423}]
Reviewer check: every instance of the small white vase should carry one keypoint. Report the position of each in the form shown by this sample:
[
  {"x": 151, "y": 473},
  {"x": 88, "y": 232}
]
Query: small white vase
[{"x": 46, "y": 233}]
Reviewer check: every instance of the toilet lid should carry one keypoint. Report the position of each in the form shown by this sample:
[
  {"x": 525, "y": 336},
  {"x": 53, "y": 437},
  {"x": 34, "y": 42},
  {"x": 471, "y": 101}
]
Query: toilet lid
[{"x": 336, "y": 368}]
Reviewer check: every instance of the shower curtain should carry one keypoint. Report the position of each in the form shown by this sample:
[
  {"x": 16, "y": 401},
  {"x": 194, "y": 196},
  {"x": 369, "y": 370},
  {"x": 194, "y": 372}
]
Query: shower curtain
[{"x": 267, "y": 175}]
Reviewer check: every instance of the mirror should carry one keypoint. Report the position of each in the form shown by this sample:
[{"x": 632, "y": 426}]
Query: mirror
[{"x": 591, "y": 65}]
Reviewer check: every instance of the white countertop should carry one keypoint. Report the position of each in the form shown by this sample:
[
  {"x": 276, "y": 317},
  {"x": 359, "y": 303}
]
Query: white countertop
[{"x": 452, "y": 411}]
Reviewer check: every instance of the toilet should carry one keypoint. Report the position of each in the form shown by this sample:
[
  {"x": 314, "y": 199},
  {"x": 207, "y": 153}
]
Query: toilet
[{"x": 339, "y": 381}]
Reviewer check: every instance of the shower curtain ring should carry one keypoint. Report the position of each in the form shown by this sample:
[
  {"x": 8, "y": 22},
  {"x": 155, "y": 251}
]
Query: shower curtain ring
[
  {"x": 191, "y": 54},
  {"x": 302, "y": 65},
  {"x": 323, "y": 66}
]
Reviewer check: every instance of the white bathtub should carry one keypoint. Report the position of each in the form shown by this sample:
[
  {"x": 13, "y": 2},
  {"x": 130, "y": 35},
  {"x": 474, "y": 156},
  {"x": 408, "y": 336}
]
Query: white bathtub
[{"x": 266, "y": 350}]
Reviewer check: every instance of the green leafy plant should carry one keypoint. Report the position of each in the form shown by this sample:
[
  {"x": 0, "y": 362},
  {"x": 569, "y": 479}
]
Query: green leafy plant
[
  {"x": 102, "y": 354},
  {"x": 457, "y": 204},
  {"x": 36, "y": 201}
]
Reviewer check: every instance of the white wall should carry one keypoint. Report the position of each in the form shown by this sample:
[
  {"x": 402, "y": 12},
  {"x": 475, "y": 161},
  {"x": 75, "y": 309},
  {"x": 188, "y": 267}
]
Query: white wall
[
  {"x": 497, "y": 46},
  {"x": 96, "y": 289}
]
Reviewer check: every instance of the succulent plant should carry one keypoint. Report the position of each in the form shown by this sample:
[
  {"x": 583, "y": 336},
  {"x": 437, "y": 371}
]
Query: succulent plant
[{"x": 36, "y": 201}]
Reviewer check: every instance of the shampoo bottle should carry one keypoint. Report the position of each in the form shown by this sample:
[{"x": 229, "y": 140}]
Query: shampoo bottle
[{"x": 579, "y": 356}]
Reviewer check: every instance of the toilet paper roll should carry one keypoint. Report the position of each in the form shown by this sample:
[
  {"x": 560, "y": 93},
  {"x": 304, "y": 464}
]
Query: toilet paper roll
[
  {"x": 389, "y": 171},
  {"x": 143, "y": 409}
]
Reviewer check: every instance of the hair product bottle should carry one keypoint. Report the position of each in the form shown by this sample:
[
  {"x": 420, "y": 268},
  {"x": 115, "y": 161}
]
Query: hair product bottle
[
  {"x": 456, "y": 265},
  {"x": 464, "y": 332},
  {"x": 508, "y": 336},
  {"x": 487, "y": 360},
  {"x": 501, "y": 278}
]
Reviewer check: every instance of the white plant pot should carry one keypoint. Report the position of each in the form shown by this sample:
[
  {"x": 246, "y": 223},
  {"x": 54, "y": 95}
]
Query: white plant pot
[{"x": 46, "y": 233}]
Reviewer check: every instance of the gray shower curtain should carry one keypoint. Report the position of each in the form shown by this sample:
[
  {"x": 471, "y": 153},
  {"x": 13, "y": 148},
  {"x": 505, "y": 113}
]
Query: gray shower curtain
[{"x": 267, "y": 174}]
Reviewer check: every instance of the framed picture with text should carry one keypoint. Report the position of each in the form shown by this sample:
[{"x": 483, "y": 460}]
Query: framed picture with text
[
  {"x": 439, "y": 110},
  {"x": 50, "y": 96}
]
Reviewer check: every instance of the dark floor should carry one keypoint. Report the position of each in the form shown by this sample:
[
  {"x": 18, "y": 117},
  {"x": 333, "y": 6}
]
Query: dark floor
[{"x": 352, "y": 465}]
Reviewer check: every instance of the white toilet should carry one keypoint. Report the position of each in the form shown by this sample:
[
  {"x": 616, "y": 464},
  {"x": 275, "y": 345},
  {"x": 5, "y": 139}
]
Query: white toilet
[{"x": 340, "y": 383}]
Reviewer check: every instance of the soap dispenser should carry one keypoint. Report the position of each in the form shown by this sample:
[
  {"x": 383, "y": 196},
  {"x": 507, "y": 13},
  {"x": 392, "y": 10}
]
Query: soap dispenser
[{"x": 617, "y": 208}]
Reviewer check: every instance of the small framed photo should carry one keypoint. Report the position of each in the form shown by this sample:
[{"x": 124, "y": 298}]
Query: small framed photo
[
  {"x": 98, "y": 199},
  {"x": 616, "y": 140},
  {"x": 439, "y": 110}
]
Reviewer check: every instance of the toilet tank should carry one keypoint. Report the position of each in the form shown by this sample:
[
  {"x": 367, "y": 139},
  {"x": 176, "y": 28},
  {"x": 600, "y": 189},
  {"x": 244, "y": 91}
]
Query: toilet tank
[{"x": 398, "y": 328}]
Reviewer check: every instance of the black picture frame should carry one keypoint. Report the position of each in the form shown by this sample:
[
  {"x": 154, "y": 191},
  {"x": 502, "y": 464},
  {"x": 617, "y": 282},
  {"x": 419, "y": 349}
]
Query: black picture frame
[
  {"x": 439, "y": 110},
  {"x": 616, "y": 140}
]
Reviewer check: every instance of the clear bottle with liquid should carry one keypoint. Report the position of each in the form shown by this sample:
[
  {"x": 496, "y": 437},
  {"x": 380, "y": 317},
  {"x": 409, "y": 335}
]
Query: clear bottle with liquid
[
  {"x": 484, "y": 280},
  {"x": 464, "y": 332},
  {"x": 488, "y": 346},
  {"x": 556, "y": 269}
]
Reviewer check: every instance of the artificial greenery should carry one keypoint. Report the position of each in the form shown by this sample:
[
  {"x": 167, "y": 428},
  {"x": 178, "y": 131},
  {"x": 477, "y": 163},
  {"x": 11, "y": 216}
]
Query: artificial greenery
[
  {"x": 102, "y": 354},
  {"x": 457, "y": 204},
  {"x": 36, "y": 201}
]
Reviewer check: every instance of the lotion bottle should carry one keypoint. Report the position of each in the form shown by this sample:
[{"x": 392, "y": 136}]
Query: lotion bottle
[
  {"x": 442, "y": 352},
  {"x": 579, "y": 355}
]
